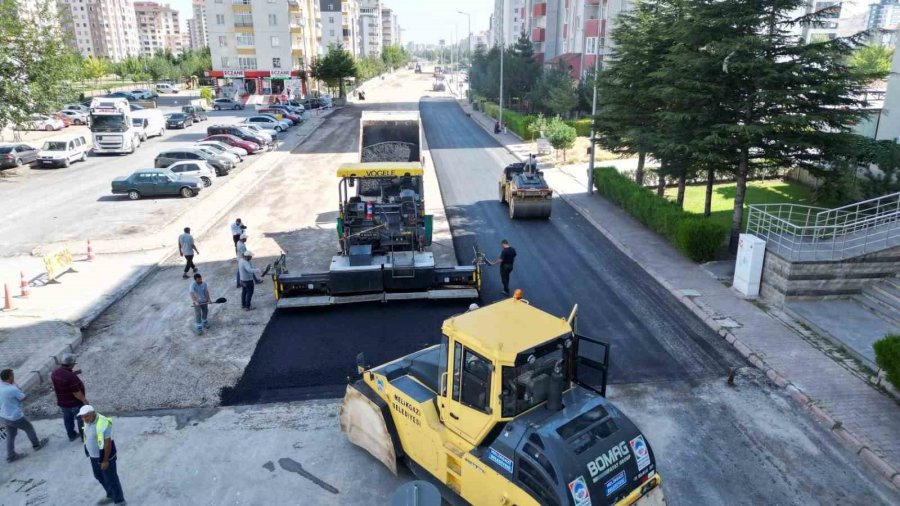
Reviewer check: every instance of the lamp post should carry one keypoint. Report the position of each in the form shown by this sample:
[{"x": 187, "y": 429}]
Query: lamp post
[
  {"x": 502, "y": 50},
  {"x": 590, "y": 170},
  {"x": 469, "y": 40}
]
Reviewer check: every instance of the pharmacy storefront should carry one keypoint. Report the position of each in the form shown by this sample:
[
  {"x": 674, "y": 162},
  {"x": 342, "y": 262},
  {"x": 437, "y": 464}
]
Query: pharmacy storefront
[{"x": 287, "y": 84}]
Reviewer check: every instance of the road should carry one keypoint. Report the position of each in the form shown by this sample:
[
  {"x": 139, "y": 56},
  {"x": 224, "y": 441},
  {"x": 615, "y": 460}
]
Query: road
[
  {"x": 45, "y": 206},
  {"x": 715, "y": 443}
]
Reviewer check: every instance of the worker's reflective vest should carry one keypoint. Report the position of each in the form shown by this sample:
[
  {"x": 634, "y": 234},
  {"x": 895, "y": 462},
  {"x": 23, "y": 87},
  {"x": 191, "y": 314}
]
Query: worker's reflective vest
[{"x": 102, "y": 423}]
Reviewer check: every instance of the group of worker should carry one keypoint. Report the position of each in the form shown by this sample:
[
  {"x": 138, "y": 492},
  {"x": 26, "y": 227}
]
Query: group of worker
[{"x": 93, "y": 429}]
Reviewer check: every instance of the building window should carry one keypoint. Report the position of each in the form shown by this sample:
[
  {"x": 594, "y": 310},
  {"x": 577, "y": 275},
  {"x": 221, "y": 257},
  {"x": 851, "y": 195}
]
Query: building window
[
  {"x": 226, "y": 62},
  {"x": 220, "y": 19},
  {"x": 223, "y": 41},
  {"x": 247, "y": 63},
  {"x": 243, "y": 19},
  {"x": 276, "y": 63},
  {"x": 245, "y": 39},
  {"x": 331, "y": 20},
  {"x": 273, "y": 19},
  {"x": 590, "y": 45},
  {"x": 275, "y": 42},
  {"x": 331, "y": 33}
]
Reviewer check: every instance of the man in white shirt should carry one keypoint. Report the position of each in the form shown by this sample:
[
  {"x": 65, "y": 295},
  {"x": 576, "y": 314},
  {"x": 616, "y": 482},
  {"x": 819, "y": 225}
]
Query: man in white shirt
[{"x": 237, "y": 228}]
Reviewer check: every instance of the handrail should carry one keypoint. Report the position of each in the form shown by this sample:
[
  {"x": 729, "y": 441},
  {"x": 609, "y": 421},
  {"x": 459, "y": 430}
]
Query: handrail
[{"x": 893, "y": 196}]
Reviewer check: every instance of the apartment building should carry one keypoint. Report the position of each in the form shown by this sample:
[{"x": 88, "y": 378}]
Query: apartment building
[
  {"x": 390, "y": 31},
  {"x": 262, "y": 47},
  {"x": 509, "y": 20},
  {"x": 101, "y": 28},
  {"x": 197, "y": 25},
  {"x": 370, "y": 25},
  {"x": 159, "y": 28},
  {"x": 340, "y": 25}
]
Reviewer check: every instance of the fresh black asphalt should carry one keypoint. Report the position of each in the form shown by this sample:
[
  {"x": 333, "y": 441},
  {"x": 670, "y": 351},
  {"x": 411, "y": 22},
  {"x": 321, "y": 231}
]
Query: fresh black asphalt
[{"x": 561, "y": 262}]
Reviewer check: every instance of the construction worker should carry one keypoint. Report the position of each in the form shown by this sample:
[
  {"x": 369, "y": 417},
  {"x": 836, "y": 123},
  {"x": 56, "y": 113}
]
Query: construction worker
[
  {"x": 247, "y": 276},
  {"x": 101, "y": 449},
  {"x": 239, "y": 250},
  {"x": 201, "y": 299},
  {"x": 70, "y": 394},
  {"x": 506, "y": 261},
  {"x": 11, "y": 397},
  {"x": 237, "y": 228}
]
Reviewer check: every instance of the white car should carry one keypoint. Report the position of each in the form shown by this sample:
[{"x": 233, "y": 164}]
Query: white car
[
  {"x": 221, "y": 147},
  {"x": 268, "y": 122},
  {"x": 77, "y": 117},
  {"x": 197, "y": 168},
  {"x": 267, "y": 133},
  {"x": 41, "y": 122},
  {"x": 233, "y": 158},
  {"x": 63, "y": 152},
  {"x": 166, "y": 88}
]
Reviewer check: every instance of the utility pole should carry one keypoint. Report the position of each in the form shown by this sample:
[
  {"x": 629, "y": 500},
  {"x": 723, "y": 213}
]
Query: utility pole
[
  {"x": 502, "y": 50},
  {"x": 469, "y": 40},
  {"x": 590, "y": 169}
]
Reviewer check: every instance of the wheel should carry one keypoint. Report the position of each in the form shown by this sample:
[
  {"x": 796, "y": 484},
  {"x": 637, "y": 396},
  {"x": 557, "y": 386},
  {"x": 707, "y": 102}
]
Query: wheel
[
  {"x": 48, "y": 128},
  {"x": 502, "y": 194},
  {"x": 279, "y": 129},
  {"x": 512, "y": 209},
  {"x": 216, "y": 108},
  {"x": 187, "y": 192},
  {"x": 83, "y": 156},
  {"x": 162, "y": 132},
  {"x": 134, "y": 195},
  {"x": 66, "y": 162},
  {"x": 18, "y": 162},
  {"x": 237, "y": 107},
  {"x": 206, "y": 182}
]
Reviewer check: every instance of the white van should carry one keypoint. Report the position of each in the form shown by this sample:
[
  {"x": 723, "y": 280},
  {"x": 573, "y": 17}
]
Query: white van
[
  {"x": 63, "y": 152},
  {"x": 152, "y": 122},
  {"x": 166, "y": 88}
]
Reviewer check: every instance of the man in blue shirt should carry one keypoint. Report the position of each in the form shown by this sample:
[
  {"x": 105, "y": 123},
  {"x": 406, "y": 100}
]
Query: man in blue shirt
[
  {"x": 11, "y": 397},
  {"x": 200, "y": 299}
]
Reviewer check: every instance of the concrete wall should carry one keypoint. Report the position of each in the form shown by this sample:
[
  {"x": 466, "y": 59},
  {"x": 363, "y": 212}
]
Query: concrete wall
[{"x": 782, "y": 279}]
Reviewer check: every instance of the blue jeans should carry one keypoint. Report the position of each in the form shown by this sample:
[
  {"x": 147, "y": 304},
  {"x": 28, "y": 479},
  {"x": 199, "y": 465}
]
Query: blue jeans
[
  {"x": 246, "y": 292},
  {"x": 69, "y": 419},
  {"x": 109, "y": 479}
]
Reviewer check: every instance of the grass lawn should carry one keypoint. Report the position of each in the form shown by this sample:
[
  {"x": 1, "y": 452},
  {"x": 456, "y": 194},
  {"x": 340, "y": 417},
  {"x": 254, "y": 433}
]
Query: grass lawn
[{"x": 758, "y": 192}]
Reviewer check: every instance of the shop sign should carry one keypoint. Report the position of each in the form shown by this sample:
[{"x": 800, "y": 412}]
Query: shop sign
[{"x": 233, "y": 73}]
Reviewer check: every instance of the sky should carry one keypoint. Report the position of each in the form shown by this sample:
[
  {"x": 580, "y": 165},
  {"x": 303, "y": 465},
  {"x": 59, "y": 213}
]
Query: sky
[{"x": 422, "y": 21}]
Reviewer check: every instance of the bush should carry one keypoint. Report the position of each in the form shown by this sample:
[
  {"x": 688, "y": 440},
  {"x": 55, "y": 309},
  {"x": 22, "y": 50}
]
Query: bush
[
  {"x": 518, "y": 123},
  {"x": 582, "y": 126},
  {"x": 206, "y": 93},
  {"x": 697, "y": 238},
  {"x": 887, "y": 356}
]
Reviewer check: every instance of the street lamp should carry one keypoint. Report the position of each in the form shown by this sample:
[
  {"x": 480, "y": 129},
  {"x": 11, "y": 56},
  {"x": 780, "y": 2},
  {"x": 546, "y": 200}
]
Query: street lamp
[
  {"x": 502, "y": 50},
  {"x": 590, "y": 170},
  {"x": 469, "y": 40}
]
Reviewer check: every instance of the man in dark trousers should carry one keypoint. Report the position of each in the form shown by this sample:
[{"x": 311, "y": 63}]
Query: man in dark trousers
[
  {"x": 101, "y": 449},
  {"x": 69, "y": 394},
  {"x": 506, "y": 261},
  {"x": 187, "y": 248}
]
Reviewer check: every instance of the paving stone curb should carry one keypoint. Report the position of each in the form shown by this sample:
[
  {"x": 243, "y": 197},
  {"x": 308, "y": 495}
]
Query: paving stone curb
[{"x": 844, "y": 436}]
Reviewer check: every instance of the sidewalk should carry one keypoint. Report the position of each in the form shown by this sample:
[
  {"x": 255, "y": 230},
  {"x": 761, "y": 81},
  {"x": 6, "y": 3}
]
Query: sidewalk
[
  {"x": 863, "y": 418},
  {"x": 47, "y": 324}
]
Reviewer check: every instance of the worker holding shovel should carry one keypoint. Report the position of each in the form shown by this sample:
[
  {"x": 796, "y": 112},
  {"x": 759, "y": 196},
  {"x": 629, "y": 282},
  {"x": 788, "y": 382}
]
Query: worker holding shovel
[{"x": 201, "y": 299}]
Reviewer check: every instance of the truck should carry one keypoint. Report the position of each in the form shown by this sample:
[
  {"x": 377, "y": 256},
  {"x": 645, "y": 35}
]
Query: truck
[
  {"x": 509, "y": 408},
  {"x": 112, "y": 126},
  {"x": 383, "y": 230}
]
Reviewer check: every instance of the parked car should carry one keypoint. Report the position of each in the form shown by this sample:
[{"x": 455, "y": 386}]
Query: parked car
[
  {"x": 220, "y": 104},
  {"x": 179, "y": 120},
  {"x": 144, "y": 94},
  {"x": 293, "y": 109},
  {"x": 222, "y": 147},
  {"x": 195, "y": 112},
  {"x": 77, "y": 107},
  {"x": 63, "y": 152},
  {"x": 166, "y": 88},
  {"x": 267, "y": 122},
  {"x": 294, "y": 118},
  {"x": 67, "y": 121},
  {"x": 127, "y": 95},
  {"x": 197, "y": 168},
  {"x": 14, "y": 155},
  {"x": 240, "y": 132},
  {"x": 249, "y": 147},
  {"x": 75, "y": 116},
  {"x": 41, "y": 122},
  {"x": 152, "y": 182},
  {"x": 265, "y": 133},
  {"x": 233, "y": 158},
  {"x": 169, "y": 156}
]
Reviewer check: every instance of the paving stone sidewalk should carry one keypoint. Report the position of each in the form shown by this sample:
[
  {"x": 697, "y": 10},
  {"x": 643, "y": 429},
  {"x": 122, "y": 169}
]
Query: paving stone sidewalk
[{"x": 863, "y": 418}]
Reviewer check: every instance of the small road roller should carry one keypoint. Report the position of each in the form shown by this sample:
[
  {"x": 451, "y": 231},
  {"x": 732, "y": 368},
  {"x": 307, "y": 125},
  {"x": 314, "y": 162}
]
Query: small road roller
[{"x": 523, "y": 188}]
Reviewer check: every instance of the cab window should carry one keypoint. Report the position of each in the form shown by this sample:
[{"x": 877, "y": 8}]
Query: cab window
[{"x": 475, "y": 381}]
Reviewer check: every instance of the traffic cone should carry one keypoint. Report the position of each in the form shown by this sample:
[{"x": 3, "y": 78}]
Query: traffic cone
[
  {"x": 23, "y": 285},
  {"x": 90, "y": 252},
  {"x": 7, "y": 298}
]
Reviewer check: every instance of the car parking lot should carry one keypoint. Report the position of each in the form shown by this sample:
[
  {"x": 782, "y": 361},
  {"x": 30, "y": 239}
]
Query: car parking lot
[{"x": 74, "y": 203}]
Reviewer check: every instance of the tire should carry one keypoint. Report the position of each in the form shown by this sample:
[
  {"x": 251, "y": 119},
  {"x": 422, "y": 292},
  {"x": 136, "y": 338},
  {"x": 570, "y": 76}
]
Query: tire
[
  {"x": 216, "y": 108},
  {"x": 48, "y": 128},
  {"x": 237, "y": 107},
  {"x": 18, "y": 162},
  {"x": 134, "y": 195},
  {"x": 186, "y": 192},
  {"x": 512, "y": 209},
  {"x": 162, "y": 132},
  {"x": 83, "y": 156},
  {"x": 206, "y": 182},
  {"x": 502, "y": 193},
  {"x": 279, "y": 129},
  {"x": 66, "y": 162}
]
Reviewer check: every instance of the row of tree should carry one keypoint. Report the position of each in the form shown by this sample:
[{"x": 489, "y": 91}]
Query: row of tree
[
  {"x": 338, "y": 65},
  {"x": 724, "y": 87},
  {"x": 160, "y": 66}
]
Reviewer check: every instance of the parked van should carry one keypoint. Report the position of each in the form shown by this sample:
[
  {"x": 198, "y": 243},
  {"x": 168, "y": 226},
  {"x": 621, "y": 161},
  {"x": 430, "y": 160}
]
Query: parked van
[
  {"x": 63, "y": 152},
  {"x": 166, "y": 88},
  {"x": 154, "y": 122}
]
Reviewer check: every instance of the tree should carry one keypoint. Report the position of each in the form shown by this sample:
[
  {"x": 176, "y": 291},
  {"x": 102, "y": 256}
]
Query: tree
[
  {"x": 394, "y": 57},
  {"x": 555, "y": 92},
  {"x": 335, "y": 67},
  {"x": 560, "y": 135},
  {"x": 873, "y": 61},
  {"x": 95, "y": 68},
  {"x": 520, "y": 70}
]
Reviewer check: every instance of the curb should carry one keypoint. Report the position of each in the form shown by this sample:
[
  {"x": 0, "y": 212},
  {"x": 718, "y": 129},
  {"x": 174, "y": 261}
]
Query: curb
[
  {"x": 835, "y": 427},
  {"x": 35, "y": 379}
]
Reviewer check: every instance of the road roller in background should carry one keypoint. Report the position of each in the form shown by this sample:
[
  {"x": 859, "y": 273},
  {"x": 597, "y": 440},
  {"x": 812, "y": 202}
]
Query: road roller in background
[
  {"x": 524, "y": 190},
  {"x": 509, "y": 409}
]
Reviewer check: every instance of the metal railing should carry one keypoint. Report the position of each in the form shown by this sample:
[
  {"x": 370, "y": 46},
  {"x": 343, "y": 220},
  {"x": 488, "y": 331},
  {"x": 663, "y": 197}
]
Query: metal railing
[{"x": 806, "y": 233}]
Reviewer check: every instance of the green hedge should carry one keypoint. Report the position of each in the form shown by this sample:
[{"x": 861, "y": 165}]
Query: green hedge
[
  {"x": 887, "y": 356},
  {"x": 518, "y": 123},
  {"x": 582, "y": 126},
  {"x": 698, "y": 238}
]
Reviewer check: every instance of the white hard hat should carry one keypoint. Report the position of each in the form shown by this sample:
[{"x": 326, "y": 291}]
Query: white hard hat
[
  {"x": 87, "y": 408},
  {"x": 248, "y": 253},
  {"x": 473, "y": 306}
]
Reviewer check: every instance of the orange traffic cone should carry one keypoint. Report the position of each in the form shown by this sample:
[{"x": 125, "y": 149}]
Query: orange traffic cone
[
  {"x": 90, "y": 252},
  {"x": 23, "y": 285},
  {"x": 7, "y": 298}
]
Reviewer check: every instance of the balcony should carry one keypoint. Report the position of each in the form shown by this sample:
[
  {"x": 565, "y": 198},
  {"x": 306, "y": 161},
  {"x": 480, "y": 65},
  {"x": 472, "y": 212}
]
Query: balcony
[
  {"x": 539, "y": 10},
  {"x": 240, "y": 5},
  {"x": 537, "y": 35},
  {"x": 592, "y": 2},
  {"x": 293, "y": 5},
  {"x": 592, "y": 28}
]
